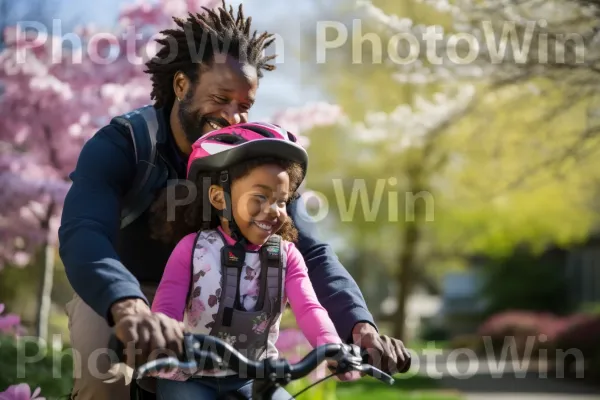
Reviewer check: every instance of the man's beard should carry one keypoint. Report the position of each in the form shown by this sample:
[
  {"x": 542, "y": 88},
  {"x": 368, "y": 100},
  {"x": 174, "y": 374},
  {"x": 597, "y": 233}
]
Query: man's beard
[{"x": 193, "y": 123}]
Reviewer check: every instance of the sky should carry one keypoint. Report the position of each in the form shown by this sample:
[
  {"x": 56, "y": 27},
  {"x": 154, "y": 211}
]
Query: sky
[{"x": 279, "y": 89}]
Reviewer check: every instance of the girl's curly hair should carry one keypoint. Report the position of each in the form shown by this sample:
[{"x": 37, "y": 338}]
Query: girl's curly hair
[{"x": 169, "y": 223}]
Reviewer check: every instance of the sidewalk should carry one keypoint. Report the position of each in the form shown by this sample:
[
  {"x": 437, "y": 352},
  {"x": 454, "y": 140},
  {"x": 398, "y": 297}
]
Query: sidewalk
[
  {"x": 529, "y": 396},
  {"x": 481, "y": 379}
]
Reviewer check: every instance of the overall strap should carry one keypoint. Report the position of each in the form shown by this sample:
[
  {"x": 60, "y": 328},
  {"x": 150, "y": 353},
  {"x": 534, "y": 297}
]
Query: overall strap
[
  {"x": 273, "y": 262},
  {"x": 232, "y": 263}
]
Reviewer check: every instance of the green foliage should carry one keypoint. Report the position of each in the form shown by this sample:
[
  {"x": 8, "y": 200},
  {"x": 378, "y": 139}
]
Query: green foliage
[
  {"x": 524, "y": 281},
  {"x": 590, "y": 308},
  {"x": 432, "y": 332},
  {"x": 516, "y": 169},
  {"x": 24, "y": 360}
]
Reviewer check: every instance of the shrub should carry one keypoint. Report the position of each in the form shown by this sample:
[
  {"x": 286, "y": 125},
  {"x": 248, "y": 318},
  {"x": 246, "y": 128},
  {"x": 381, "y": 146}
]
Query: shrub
[
  {"x": 579, "y": 332},
  {"x": 579, "y": 339},
  {"x": 529, "y": 282},
  {"x": 50, "y": 371},
  {"x": 432, "y": 332},
  {"x": 530, "y": 331},
  {"x": 47, "y": 370}
]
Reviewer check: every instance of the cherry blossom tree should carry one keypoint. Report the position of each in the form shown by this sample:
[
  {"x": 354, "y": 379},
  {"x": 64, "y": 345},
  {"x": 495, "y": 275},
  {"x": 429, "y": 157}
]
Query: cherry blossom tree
[
  {"x": 52, "y": 100},
  {"x": 300, "y": 120}
]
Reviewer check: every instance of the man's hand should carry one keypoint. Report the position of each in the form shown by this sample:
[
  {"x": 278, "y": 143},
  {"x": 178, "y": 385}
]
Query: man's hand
[
  {"x": 345, "y": 377},
  {"x": 145, "y": 334},
  {"x": 385, "y": 353}
]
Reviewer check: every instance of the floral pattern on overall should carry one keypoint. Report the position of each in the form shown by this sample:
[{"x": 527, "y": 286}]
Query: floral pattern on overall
[{"x": 260, "y": 323}]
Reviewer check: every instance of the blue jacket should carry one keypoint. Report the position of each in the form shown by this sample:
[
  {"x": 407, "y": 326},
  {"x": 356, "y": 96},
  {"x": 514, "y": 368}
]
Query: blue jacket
[{"x": 105, "y": 263}]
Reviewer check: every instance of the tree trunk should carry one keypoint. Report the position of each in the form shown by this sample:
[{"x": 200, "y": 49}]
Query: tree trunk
[
  {"x": 405, "y": 276},
  {"x": 45, "y": 291},
  {"x": 408, "y": 258}
]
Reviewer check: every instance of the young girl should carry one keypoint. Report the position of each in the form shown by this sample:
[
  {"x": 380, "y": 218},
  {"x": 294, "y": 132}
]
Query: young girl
[{"x": 225, "y": 276}]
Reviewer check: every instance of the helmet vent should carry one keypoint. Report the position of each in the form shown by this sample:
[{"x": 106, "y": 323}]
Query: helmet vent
[
  {"x": 229, "y": 138},
  {"x": 257, "y": 129}
]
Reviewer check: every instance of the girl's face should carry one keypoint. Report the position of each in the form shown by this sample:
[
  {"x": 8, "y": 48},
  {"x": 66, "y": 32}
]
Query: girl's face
[{"x": 259, "y": 202}]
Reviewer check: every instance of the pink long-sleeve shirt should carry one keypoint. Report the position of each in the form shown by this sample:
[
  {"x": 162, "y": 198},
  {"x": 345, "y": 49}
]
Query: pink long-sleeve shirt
[{"x": 312, "y": 318}]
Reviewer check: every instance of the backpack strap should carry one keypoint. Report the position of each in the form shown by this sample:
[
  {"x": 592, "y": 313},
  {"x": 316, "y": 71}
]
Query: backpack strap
[
  {"x": 143, "y": 127},
  {"x": 274, "y": 260}
]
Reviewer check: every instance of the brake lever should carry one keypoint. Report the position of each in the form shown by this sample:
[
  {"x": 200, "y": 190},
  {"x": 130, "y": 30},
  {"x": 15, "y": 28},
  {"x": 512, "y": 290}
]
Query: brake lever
[{"x": 376, "y": 373}]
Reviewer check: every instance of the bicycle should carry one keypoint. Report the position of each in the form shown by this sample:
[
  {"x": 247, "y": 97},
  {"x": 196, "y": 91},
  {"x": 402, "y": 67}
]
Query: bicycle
[{"x": 267, "y": 375}]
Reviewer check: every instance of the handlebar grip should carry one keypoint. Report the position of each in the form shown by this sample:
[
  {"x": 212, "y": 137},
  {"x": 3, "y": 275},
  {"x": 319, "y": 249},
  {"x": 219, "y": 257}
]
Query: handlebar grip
[
  {"x": 115, "y": 345},
  {"x": 366, "y": 360},
  {"x": 407, "y": 365}
]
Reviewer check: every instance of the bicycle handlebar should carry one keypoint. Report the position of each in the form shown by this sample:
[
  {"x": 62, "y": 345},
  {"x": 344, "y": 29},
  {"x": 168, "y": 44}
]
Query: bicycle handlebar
[{"x": 198, "y": 349}]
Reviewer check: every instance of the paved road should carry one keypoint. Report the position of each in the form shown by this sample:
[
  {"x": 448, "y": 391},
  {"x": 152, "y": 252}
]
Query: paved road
[{"x": 495, "y": 380}]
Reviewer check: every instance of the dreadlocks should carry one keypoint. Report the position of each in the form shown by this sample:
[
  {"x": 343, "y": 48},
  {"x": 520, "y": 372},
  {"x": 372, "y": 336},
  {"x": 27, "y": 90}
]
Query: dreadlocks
[{"x": 197, "y": 40}]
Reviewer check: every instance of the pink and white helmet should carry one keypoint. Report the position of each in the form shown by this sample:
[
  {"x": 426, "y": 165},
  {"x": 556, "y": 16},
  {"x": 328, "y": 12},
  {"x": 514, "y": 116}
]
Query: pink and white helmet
[{"x": 218, "y": 150}]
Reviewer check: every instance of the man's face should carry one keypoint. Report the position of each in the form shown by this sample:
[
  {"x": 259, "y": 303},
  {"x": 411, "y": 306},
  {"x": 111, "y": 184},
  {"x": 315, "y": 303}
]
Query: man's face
[{"x": 224, "y": 94}]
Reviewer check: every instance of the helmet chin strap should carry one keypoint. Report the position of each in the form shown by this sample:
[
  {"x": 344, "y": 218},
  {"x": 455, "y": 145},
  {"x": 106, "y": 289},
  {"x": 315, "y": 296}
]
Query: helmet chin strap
[
  {"x": 236, "y": 234},
  {"x": 238, "y": 250}
]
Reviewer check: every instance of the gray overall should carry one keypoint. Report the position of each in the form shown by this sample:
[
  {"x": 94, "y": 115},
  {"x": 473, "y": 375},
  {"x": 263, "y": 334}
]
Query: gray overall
[{"x": 249, "y": 331}]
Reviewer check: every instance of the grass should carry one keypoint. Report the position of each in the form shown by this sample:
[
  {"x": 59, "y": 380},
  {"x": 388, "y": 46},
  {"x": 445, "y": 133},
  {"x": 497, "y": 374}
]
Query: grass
[{"x": 414, "y": 388}]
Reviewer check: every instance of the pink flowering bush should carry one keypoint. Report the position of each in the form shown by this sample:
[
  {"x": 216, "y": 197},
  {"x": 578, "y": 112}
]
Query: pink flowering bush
[
  {"x": 21, "y": 391},
  {"x": 533, "y": 331},
  {"x": 10, "y": 324},
  {"x": 530, "y": 331},
  {"x": 293, "y": 346},
  {"x": 580, "y": 331},
  {"x": 516, "y": 323},
  {"x": 10, "y": 331}
]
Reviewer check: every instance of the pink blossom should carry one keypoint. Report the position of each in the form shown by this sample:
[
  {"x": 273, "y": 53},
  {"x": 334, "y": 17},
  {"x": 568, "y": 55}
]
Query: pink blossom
[
  {"x": 301, "y": 119},
  {"x": 291, "y": 339},
  {"x": 10, "y": 323},
  {"x": 21, "y": 391},
  {"x": 57, "y": 101}
]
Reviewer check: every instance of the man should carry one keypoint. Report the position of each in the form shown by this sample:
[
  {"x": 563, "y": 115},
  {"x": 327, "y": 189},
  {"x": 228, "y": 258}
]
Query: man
[{"x": 114, "y": 271}]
